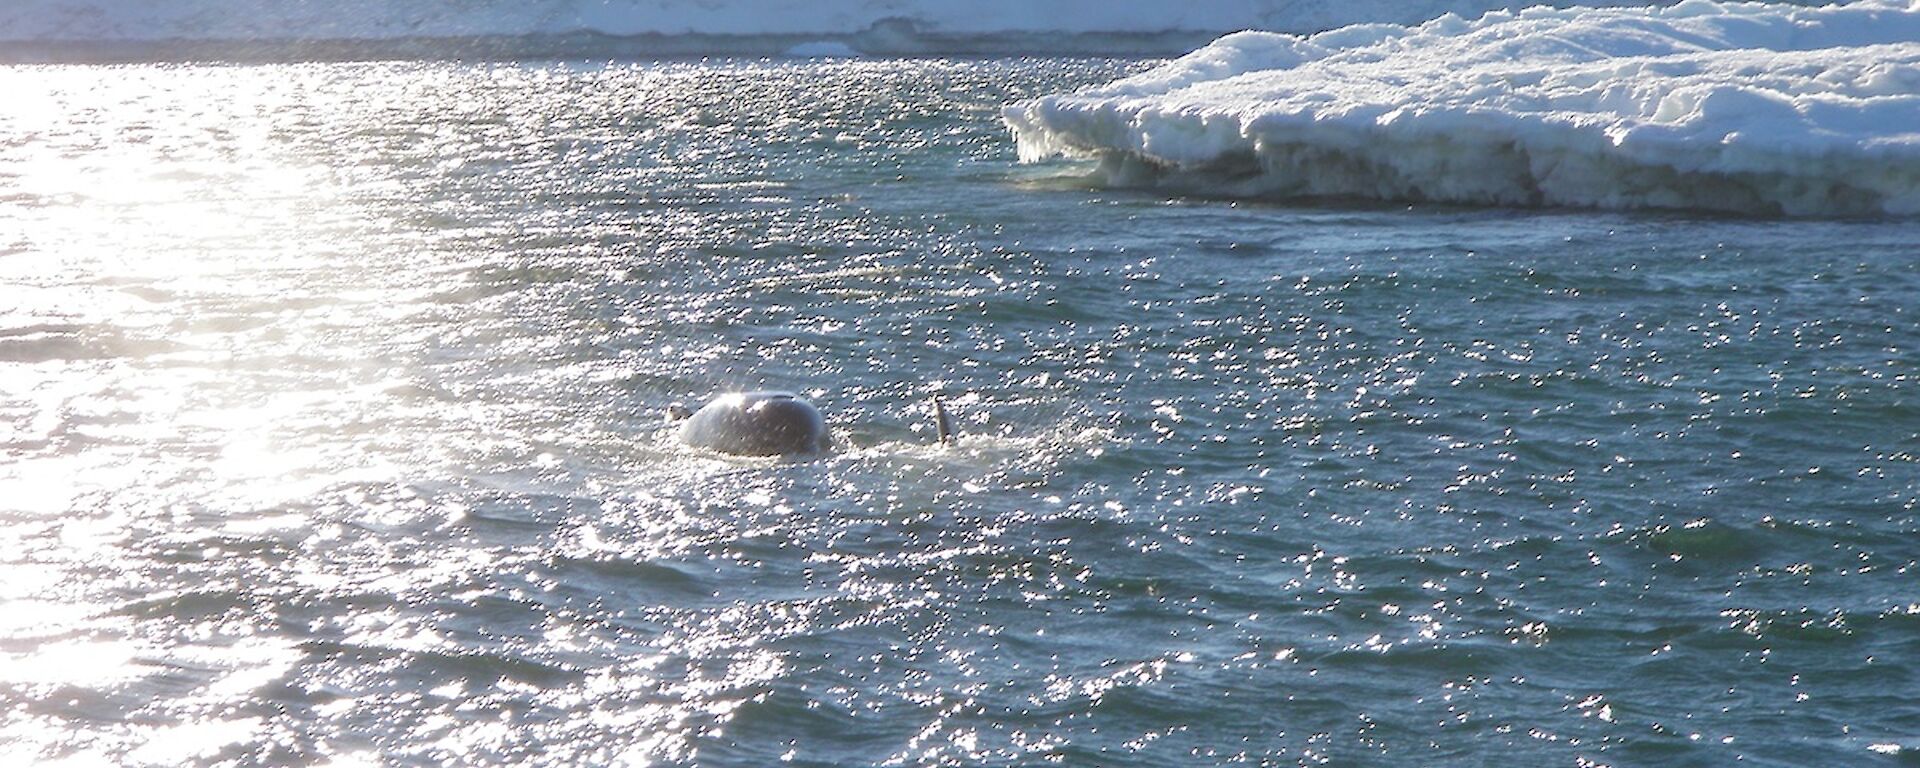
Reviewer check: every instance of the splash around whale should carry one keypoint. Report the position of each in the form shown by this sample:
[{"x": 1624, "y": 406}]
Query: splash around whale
[{"x": 756, "y": 424}]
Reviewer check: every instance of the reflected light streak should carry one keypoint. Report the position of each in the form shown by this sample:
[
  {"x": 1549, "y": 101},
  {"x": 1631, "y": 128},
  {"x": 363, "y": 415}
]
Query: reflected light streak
[{"x": 187, "y": 302}]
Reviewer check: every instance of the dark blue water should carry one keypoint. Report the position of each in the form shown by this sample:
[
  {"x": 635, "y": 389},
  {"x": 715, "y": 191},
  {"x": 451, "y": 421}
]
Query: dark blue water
[{"x": 330, "y": 402}]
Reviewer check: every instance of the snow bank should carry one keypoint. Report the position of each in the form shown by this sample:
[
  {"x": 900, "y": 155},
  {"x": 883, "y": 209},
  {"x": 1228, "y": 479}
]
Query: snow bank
[{"x": 1751, "y": 108}]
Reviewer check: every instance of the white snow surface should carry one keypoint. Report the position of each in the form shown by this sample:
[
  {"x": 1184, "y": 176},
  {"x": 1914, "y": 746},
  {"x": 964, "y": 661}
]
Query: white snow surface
[
  {"x": 1746, "y": 107},
  {"x": 824, "y": 49},
  {"x": 205, "y": 20}
]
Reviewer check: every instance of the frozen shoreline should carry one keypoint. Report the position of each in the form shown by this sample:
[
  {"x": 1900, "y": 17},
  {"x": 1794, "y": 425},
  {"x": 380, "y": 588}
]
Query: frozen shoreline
[{"x": 1746, "y": 108}]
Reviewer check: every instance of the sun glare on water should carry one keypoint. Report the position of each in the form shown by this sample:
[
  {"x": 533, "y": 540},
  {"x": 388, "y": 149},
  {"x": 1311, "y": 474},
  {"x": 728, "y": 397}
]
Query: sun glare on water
[{"x": 178, "y": 290}]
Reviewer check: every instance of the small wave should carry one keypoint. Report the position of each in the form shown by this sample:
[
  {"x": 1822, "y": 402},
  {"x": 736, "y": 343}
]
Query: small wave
[
  {"x": 434, "y": 663},
  {"x": 66, "y": 343},
  {"x": 627, "y": 572}
]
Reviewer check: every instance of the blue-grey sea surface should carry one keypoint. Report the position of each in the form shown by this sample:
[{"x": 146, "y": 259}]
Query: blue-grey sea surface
[{"x": 331, "y": 406}]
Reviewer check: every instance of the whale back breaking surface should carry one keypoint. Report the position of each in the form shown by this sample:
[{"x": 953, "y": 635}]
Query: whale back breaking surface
[{"x": 757, "y": 424}]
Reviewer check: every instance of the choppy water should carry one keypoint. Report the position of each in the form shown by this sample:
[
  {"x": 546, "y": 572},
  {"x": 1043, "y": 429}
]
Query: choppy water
[{"x": 331, "y": 405}]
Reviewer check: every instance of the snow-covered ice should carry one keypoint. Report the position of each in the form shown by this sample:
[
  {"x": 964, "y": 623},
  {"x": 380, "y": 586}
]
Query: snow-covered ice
[
  {"x": 823, "y": 49},
  {"x": 1744, "y": 107}
]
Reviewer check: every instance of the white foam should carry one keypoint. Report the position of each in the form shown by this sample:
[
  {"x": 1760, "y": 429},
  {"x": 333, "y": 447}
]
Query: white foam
[{"x": 1748, "y": 107}]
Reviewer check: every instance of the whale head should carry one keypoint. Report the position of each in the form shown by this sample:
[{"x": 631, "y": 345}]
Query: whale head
[{"x": 757, "y": 424}]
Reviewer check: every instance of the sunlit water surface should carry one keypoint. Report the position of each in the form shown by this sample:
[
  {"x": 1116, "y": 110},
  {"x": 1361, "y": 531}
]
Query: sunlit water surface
[{"x": 331, "y": 398}]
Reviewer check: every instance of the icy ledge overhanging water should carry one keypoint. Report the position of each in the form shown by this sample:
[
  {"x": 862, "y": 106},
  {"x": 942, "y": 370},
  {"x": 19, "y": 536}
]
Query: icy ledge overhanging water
[{"x": 1744, "y": 107}]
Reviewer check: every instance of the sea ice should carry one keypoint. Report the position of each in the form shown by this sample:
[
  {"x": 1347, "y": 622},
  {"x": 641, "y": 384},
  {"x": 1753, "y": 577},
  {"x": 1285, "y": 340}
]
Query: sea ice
[
  {"x": 1744, "y": 107},
  {"x": 823, "y": 49}
]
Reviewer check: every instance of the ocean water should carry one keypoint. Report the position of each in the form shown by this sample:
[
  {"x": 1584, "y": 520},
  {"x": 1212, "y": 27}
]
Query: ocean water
[{"x": 331, "y": 395}]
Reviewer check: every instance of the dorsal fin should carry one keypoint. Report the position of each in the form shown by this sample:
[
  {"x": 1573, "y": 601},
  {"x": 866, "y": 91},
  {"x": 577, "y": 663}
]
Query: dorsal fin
[{"x": 942, "y": 424}]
